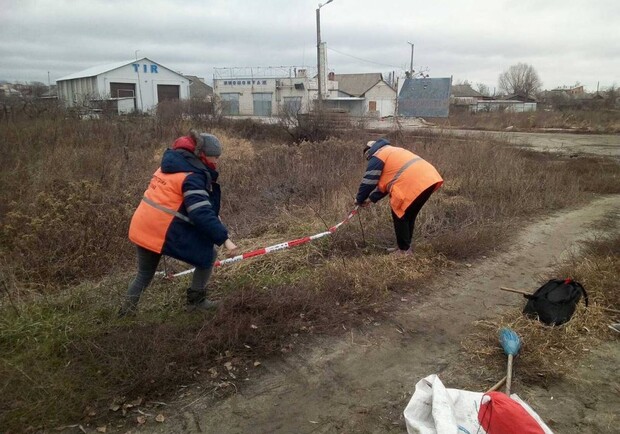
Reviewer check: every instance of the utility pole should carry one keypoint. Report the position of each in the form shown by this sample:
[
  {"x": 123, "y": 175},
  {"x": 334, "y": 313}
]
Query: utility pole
[
  {"x": 318, "y": 51},
  {"x": 411, "y": 63},
  {"x": 318, "y": 54},
  {"x": 139, "y": 86}
]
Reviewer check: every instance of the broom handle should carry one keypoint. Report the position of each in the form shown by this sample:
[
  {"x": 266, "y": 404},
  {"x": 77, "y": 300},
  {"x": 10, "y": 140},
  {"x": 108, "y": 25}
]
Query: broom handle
[
  {"x": 519, "y": 291},
  {"x": 509, "y": 375},
  {"x": 497, "y": 385}
]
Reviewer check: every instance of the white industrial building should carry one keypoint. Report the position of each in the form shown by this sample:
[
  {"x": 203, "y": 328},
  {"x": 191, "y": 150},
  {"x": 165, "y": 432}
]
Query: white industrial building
[
  {"x": 135, "y": 85},
  {"x": 266, "y": 91},
  {"x": 272, "y": 91}
]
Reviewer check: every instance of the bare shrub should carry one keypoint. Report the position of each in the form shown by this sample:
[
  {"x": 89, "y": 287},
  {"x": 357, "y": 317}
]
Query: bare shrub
[
  {"x": 73, "y": 185},
  {"x": 73, "y": 230},
  {"x": 67, "y": 200},
  {"x": 550, "y": 353},
  {"x": 169, "y": 116},
  {"x": 592, "y": 121},
  {"x": 262, "y": 181}
]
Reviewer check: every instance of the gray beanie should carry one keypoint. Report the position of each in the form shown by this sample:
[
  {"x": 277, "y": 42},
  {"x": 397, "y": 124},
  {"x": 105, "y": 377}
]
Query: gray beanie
[{"x": 209, "y": 145}]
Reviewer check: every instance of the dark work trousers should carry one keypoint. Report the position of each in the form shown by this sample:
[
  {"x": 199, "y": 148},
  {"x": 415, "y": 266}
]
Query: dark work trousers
[
  {"x": 404, "y": 226},
  {"x": 147, "y": 265}
]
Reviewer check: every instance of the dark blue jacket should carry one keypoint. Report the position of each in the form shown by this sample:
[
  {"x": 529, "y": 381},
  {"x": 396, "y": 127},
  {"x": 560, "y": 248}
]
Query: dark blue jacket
[
  {"x": 368, "y": 186},
  {"x": 193, "y": 242}
]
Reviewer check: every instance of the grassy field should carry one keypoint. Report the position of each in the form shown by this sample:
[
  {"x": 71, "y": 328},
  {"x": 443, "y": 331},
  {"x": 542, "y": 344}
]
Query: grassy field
[
  {"x": 66, "y": 261},
  {"x": 578, "y": 121}
]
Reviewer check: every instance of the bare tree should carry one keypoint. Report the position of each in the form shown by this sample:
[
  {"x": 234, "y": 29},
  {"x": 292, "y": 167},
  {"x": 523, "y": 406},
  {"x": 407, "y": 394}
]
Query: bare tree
[
  {"x": 612, "y": 97},
  {"x": 36, "y": 88},
  {"x": 483, "y": 89},
  {"x": 520, "y": 79}
]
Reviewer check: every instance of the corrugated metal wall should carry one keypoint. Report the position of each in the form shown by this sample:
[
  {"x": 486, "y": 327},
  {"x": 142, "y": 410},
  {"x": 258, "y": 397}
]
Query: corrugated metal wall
[{"x": 425, "y": 97}]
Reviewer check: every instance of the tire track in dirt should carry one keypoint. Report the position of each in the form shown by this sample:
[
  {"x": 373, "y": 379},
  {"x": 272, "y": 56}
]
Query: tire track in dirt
[{"x": 357, "y": 382}]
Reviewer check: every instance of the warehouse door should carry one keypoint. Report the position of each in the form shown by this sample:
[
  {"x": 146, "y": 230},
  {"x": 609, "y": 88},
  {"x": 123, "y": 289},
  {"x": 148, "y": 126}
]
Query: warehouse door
[
  {"x": 124, "y": 90},
  {"x": 262, "y": 104},
  {"x": 230, "y": 103},
  {"x": 167, "y": 92}
]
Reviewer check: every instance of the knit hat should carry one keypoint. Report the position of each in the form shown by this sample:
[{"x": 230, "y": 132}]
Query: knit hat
[
  {"x": 209, "y": 145},
  {"x": 368, "y": 145}
]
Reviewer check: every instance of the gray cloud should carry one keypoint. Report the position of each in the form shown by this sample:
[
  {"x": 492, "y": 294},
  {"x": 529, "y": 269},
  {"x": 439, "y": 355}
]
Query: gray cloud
[{"x": 566, "y": 41}]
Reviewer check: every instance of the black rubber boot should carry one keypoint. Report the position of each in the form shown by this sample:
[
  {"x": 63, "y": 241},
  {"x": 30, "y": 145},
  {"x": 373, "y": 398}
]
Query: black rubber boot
[
  {"x": 129, "y": 307},
  {"x": 197, "y": 300},
  {"x": 202, "y": 306}
]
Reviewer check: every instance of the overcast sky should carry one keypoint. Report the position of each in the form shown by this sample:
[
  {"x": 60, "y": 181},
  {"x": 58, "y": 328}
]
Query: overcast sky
[{"x": 566, "y": 41}]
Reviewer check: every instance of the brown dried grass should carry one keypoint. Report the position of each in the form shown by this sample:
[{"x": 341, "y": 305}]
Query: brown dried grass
[
  {"x": 581, "y": 121},
  {"x": 88, "y": 176},
  {"x": 549, "y": 353}
]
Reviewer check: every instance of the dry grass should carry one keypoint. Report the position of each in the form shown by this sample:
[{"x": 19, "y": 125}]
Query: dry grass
[
  {"x": 65, "y": 211},
  {"x": 549, "y": 353},
  {"x": 579, "y": 121}
]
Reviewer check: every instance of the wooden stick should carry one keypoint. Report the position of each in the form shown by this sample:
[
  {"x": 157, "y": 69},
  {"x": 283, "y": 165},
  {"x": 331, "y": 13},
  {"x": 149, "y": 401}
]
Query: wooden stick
[
  {"x": 509, "y": 375},
  {"x": 497, "y": 385},
  {"x": 517, "y": 291}
]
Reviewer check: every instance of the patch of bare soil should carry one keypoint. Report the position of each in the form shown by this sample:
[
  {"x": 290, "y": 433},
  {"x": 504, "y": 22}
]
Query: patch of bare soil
[
  {"x": 361, "y": 381},
  {"x": 563, "y": 143}
]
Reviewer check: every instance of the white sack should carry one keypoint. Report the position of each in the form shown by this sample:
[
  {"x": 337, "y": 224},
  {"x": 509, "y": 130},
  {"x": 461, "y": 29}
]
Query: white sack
[{"x": 433, "y": 409}]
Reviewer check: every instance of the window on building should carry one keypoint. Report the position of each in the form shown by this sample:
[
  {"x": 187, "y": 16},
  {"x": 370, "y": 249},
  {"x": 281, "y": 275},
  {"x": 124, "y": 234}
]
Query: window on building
[
  {"x": 292, "y": 104},
  {"x": 230, "y": 103},
  {"x": 262, "y": 104},
  {"x": 124, "y": 90},
  {"x": 169, "y": 92}
]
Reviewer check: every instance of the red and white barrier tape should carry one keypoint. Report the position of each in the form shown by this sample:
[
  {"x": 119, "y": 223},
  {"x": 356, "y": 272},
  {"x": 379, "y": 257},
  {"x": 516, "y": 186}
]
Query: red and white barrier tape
[{"x": 275, "y": 247}]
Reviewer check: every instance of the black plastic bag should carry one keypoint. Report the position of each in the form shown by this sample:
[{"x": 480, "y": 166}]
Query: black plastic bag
[{"x": 555, "y": 302}]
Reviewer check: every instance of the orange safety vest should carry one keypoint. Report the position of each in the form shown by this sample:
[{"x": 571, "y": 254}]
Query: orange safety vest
[
  {"x": 404, "y": 176},
  {"x": 160, "y": 205}
]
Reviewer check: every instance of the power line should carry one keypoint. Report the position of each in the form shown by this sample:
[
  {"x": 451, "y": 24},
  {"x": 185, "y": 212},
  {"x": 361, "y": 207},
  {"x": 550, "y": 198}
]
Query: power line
[{"x": 363, "y": 60}]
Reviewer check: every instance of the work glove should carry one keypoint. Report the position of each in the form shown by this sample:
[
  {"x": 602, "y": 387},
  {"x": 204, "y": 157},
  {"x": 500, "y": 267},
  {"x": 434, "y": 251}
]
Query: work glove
[{"x": 364, "y": 204}]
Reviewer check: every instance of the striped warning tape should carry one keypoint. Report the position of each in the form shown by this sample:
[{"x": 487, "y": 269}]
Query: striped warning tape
[{"x": 275, "y": 247}]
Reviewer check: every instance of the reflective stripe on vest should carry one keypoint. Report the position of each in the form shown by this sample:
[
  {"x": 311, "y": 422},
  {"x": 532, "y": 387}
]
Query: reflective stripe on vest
[
  {"x": 156, "y": 212},
  {"x": 411, "y": 183},
  {"x": 166, "y": 210},
  {"x": 400, "y": 172}
]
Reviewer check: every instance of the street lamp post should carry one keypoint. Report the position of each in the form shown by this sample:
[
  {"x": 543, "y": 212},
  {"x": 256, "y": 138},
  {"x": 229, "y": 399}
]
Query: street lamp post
[
  {"x": 411, "y": 64},
  {"x": 318, "y": 50}
]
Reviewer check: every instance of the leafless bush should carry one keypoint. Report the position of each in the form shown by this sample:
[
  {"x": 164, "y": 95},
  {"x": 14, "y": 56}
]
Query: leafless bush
[
  {"x": 595, "y": 121},
  {"x": 73, "y": 184},
  {"x": 100, "y": 167}
]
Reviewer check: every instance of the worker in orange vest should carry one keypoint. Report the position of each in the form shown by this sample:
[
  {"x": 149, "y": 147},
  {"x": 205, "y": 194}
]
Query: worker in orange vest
[
  {"x": 408, "y": 179},
  {"x": 179, "y": 217}
]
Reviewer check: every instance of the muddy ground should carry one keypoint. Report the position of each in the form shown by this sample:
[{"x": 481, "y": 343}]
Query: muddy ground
[
  {"x": 566, "y": 143},
  {"x": 557, "y": 142},
  {"x": 361, "y": 381}
]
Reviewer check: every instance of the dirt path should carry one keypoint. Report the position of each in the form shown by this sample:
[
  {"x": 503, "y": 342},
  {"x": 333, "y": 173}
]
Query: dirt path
[
  {"x": 557, "y": 142},
  {"x": 598, "y": 144},
  {"x": 360, "y": 382}
]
